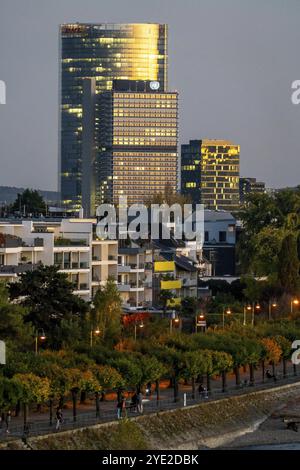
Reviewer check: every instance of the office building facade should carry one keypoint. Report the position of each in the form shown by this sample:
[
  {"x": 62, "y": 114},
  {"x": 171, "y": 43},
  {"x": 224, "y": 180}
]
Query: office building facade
[
  {"x": 210, "y": 173},
  {"x": 137, "y": 138},
  {"x": 105, "y": 52},
  {"x": 250, "y": 186}
]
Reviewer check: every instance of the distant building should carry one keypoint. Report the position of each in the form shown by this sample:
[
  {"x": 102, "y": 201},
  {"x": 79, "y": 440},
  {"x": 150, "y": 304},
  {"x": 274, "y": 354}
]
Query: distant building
[
  {"x": 134, "y": 151},
  {"x": 210, "y": 173},
  {"x": 250, "y": 185},
  {"x": 219, "y": 242}
]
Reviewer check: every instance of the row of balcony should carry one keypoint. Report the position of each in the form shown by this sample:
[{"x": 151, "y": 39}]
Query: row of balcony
[
  {"x": 110, "y": 258},
  {"x": 128, "y": 286},
  {"x": 16, "y": 242},
  {"x": 69, "y": 242},
  {"x": 80, "y": 286},
  {"x": 82, "y": 265}
]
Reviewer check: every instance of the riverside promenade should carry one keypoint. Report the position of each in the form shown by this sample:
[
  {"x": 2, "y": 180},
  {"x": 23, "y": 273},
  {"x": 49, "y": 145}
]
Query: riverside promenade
[{"x": 38, "y": 423}]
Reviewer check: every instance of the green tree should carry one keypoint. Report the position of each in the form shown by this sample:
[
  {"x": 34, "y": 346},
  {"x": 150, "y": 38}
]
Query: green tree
[
  {"x": 109, "y": 379},
  {"x": 152, "y": 371},
  {"x": 10, "y": 393},
  {"x": 47, "y": 295},
  {"x": 165, "y": 297},
  {"x": 189, "y": 306},
  {"x": 130, "y": 370},
  {"x": 254, "y": 350},
  {"x": 12, "y": 327},
  {"x": 267, "y": 244},
  {"x": 288, "y": 268},
  {"x": 107, "y": 312},
  {"x": 195, "y": 364},
  {"x": 74, "y": 381},
  {"x": 286, "y": 350},
  {"x": 223, "y": 363},
  {"x": 271, "y": 351},
  {"x": 253, "y": 289},
  {"x": 172, "y": 359},
  {"x": 29, "y": 202},
  {"x": 233, "y": 344},
  {"x": 33, "y": 389}
]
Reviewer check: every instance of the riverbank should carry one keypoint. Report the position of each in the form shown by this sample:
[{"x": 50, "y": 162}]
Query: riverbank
[
  {"x": 213, "y": 424},
  {"x": 273, "y": 432}
]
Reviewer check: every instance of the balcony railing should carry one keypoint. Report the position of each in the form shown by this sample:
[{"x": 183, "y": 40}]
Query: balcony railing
[
  {"x": 132, "y": 266},
  {"x": 82, "y": 286},
  {"x": 18, "y": 269},
  {"x": 84, "y": 265},
  {"x": 68, "y": 242}
]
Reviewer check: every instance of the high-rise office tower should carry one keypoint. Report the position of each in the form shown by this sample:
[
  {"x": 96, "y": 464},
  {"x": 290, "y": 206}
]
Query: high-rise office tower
[
  {"x": 210, "y": 173},
  {"x": 105, "y": 52},
  {"x": 134, "y": 153},
  {"x": 250, "y": 186}
]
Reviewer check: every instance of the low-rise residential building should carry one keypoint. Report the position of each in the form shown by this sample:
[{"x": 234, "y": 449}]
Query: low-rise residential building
[
  {"x": 131, "y": 276},
  {"x": 70, "y": 244}
]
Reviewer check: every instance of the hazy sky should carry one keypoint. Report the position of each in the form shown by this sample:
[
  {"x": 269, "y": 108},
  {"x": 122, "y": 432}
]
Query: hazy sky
[{"x": 232, "y": 61}]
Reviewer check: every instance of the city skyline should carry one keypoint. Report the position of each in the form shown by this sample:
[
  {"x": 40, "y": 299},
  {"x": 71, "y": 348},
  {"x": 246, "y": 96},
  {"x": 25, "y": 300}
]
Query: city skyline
[{"x": 229, "y": 89}]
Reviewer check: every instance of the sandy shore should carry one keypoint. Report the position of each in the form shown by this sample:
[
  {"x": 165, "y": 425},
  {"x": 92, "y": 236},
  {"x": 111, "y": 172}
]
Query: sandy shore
[{"x": 273, "y": 431}]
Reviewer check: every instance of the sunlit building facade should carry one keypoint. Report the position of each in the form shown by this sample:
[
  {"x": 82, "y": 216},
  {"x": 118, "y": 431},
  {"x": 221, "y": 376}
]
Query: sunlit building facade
[
  {"x": 105, "y": 52},
  {"x": 210, "y": 173},
  {"x": 137, "y": 140}
]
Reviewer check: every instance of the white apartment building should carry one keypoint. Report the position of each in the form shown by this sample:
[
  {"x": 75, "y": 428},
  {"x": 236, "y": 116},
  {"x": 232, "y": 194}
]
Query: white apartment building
[{"x": 70, "y": 244}]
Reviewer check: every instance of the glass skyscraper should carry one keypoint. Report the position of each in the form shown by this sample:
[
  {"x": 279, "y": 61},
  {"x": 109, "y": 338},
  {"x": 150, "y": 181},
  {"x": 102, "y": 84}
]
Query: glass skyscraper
[{"x": 105, "y": 52}]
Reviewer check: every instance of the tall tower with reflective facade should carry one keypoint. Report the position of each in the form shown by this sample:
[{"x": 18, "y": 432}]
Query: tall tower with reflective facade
[
  {"x": 105, "y": 52},
  {"x": 210, "y": 171}
]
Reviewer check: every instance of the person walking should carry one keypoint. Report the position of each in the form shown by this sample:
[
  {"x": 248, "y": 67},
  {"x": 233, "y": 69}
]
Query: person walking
[
  {"x": 119, "y": 407},
  {"x": 59, "y": 418},
  {"x": 133, "y": 403},
  {"x": 203, "y": 391},
  {"x": 8, "y": 420}
]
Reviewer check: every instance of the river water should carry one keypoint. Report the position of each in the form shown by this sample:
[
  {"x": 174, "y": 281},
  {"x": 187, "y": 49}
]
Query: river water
[{"x": 286, "y": 446}]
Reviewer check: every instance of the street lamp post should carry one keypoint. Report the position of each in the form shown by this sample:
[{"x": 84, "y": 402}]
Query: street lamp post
[
  {"x": 141, "y": 325},
  {"x": 199, "y": 321},
  {"x": 246, "y": 307},
  {"x": 228, "y": 312},
  {"x": 92, "y": 334},
  {"x": 272, "y": 304},
  {"x": 254, "y": 307},
  {"x": 39, "y": 336},
  {"x": 294, "y": 302},
  {"x": 174, "y": 318}
]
